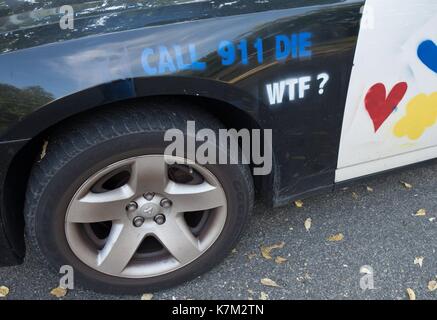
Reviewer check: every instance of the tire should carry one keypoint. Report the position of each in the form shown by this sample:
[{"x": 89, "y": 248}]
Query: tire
[{"x": 88, "y": 144}]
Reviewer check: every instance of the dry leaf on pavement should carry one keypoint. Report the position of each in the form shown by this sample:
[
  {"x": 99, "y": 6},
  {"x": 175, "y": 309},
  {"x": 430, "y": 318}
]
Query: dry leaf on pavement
[
  {"x": 355, "y": 195},
  {"x": 336, "y": 237},
  {"x": 280, "y": 260},
  {"x": 419, "y": 261},
  {"x": 266, "y": 250},
  {"x": 432, "y": 285},
  {"x": 406, "y": 185},
  {"x": 269, "y": 283},
  {"x": 250, "y": 256},
  {"x": 44, "y": 150},
  {"x": 298, "y": 203},
  {"x": 58, "y": 292},
  {"x": 4, "y": 291},
  {"x": 420, "y": 213},
  {"x": 370, "y": 189},
  {"x": 147, "y": 296},
  {"x": 263, "y": 296},
  {"x": 411, "y": 294},
  {"x": 307, "y": 224},
  {"x": 365, "y": 270}
]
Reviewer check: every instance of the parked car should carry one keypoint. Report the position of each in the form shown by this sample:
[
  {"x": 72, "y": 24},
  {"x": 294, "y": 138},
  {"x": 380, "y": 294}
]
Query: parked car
[{"x": 89, "y": 91}]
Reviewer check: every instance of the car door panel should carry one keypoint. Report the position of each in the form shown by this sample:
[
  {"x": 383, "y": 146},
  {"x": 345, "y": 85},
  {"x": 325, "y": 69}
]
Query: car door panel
[{"x": 391, "y": 109}]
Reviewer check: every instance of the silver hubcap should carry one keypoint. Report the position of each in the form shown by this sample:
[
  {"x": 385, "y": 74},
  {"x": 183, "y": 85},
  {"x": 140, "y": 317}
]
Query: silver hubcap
[{"x": 135, "y": 219}]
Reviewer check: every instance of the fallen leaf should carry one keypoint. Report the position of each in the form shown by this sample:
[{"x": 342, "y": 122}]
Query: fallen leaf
[
  {"x": 147, "y": 296},
  {"x": 58, "y": 292},
  {"x": 280, "y": 260},
  {"x": 264, "y": 296},
  {"x": 411, "y": 294},
  {"x": 406, "y": 185},
  {"x": 298, "y": 203},
  {"x": 336, "y": 237},
  {"x": 432, "y": 219},
  {"x": 365, "y": 270},
  {"x": 250, "y": 256},
  {"x": 370, "y": 189},
  {"x": 234, "y": 251},
  {"x": 355, "y": 195},
  {"x": 269, "y": 283},
  {"x": 250, "y": 291},
  {"x": 419, "y": 261},
  {"x": 44, "y": 150},
  {"x": 266, "y": 250},
  {"x": 307, "y": 224},
  {"x": 4, "y": 291},
  {"x": 432, "y": 285},
  {"x": 420, "y": 213}
]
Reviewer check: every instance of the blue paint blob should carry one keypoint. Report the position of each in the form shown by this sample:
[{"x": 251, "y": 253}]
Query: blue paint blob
[{"x": 427, "y": 53}]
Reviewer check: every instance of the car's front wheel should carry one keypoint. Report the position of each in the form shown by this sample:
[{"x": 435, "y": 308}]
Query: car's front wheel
[{"x": 106, "y": 201}]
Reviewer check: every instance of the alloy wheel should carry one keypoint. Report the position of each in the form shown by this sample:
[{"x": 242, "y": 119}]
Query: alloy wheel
[{"x": 145, "y": 216}]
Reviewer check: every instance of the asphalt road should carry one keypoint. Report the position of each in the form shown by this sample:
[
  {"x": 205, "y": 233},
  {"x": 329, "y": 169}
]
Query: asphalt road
[{"x": 380, "y": 229}]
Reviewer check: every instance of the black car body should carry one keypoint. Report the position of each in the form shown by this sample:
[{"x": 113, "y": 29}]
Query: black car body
[{"x": 48, "y": 75}]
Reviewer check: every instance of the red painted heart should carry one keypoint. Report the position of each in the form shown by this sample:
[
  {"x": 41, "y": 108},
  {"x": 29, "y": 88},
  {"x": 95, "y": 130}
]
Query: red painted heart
[{"x": 379, "y": 106}]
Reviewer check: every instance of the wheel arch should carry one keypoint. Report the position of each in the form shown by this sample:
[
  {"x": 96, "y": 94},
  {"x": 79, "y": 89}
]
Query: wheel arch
[{"x": 228, "y": 98}]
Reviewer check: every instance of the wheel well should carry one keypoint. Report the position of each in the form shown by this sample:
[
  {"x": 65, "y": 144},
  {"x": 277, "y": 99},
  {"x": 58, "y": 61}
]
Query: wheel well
[{"x": 20, "y": 168}]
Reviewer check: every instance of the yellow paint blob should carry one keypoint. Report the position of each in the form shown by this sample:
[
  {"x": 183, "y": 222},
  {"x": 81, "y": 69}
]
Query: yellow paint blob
[{"x": 421, "y": 114}]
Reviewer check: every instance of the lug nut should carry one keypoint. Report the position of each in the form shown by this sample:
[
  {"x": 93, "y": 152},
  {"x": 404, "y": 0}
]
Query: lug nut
[
  {"x": 132, "y": 206},
  {"x": 166, "y": 203},
  {"x": 138, "y": 221},
  {"x": 149, "y": 196},
  {"x": 159, "y": 219}
]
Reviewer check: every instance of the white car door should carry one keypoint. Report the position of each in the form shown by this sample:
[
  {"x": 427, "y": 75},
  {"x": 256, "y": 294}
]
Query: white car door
[{"x": 390, "y": 117}]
